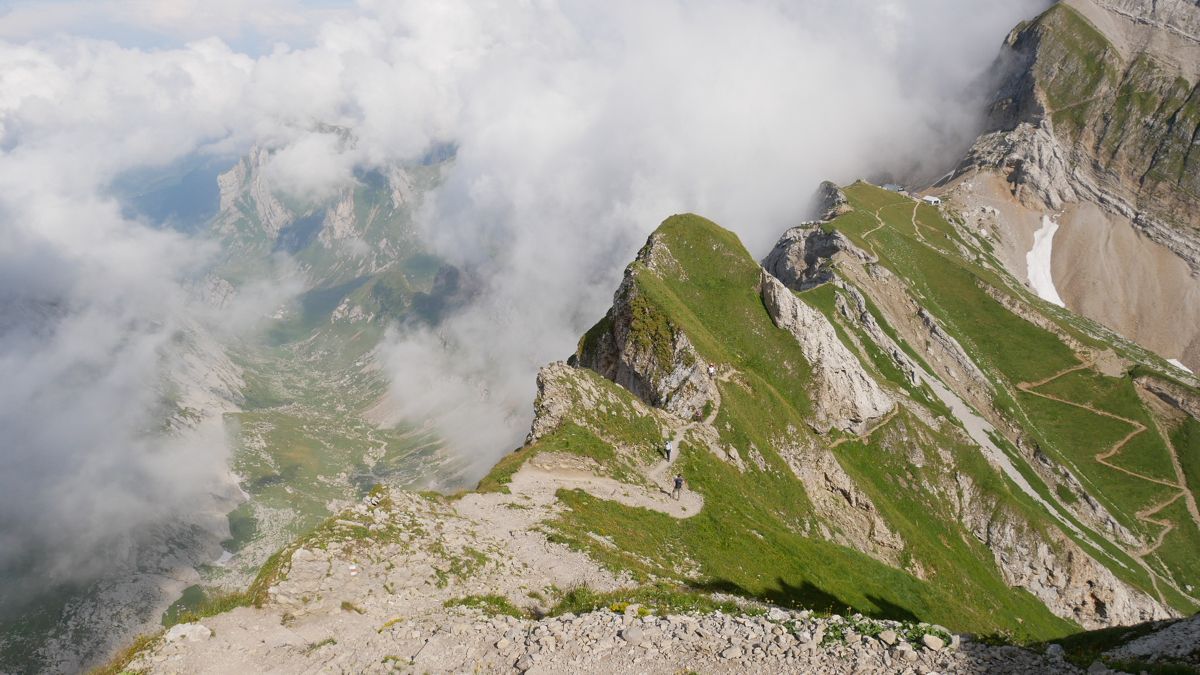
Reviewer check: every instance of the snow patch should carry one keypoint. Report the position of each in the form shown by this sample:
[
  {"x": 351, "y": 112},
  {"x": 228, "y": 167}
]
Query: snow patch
[
  {"x": 1177, "y": 364},
  {"x": 1038, "y": 262}
]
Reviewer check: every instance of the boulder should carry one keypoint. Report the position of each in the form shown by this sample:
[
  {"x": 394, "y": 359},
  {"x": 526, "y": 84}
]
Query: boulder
[
  {"x": 933, "y": 642},
  {"x": 188, "y": 632}
]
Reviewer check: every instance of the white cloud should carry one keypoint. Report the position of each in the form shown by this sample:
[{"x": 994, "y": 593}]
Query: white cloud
[{"x": 167, "y": 22}]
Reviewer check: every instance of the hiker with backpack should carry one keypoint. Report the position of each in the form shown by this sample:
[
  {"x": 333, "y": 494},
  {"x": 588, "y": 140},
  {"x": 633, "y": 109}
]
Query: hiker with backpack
[{"x": 678, "y": 486}]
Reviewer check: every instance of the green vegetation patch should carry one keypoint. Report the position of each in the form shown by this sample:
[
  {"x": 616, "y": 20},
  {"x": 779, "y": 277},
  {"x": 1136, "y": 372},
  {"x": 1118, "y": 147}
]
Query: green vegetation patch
[
  {"x": 197, "y": 603},
  {"x": 950, "y": 289},
  {"x": 1186, "y": 441},
  {"x": 1075, "y": 436},
  {"x": 491, "y": 605},
  {"x": 660, "y": 598},
  {"x": 1076, "y": 63}
]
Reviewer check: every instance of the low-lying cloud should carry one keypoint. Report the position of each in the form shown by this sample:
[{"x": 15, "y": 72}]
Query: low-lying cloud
[{"x": 578, "y": 127}]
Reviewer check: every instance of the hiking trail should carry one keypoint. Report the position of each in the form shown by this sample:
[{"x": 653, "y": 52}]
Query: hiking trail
[{"x": 1145, "y": 514}]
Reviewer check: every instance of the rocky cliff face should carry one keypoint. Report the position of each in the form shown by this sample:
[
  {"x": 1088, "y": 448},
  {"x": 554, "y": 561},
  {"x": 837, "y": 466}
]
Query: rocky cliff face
[
  {"x": 1177, "y": 16},
  {"x": 1093, "y": 126},
  {"x": 803, "y": 256},
  {"x": 846, "y": 397},
  {"x": 1098, "y": 107},
  {"x": 639, "y": 347},
  {"x": 1054, "y": 569}
]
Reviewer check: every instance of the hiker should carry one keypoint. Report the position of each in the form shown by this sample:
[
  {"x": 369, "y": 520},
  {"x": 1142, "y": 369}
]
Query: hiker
[
  {"x": 678, "y": 486},
  {"x": 712, "y": 370},
  {"x": 669, "y": 448}
]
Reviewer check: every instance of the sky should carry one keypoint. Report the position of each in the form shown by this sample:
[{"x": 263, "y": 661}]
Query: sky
[
  {"x": 579, "y": 126},
  {"x": 250, "y": 27}
]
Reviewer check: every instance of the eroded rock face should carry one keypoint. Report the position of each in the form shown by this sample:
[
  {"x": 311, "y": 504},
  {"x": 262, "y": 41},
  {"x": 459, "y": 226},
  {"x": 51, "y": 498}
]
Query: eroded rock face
[
  {"x": 831, "y": 201},
  {"x": 803, "y": 257},
  {"x": 1097, "y": 105},
  {"x": 553, "y": 401},
  {"x": 850, "y": 516},
  {"x": 1175, "y": 643},
  {"x": 1172, "y": 394},
  {"x": 247, "y": 179},
  {"x": 637, "y": 346},
  {"x": 844, "y": 396},
  {"x": 1053, "y": 568},
  {"x": 1181, "y": 17}
]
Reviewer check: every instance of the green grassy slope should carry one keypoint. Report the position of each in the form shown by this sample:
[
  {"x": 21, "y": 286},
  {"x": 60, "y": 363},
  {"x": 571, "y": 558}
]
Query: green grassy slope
[
  {"x": 1012, "y": 351},
  {"x": 756, "y": 534}
]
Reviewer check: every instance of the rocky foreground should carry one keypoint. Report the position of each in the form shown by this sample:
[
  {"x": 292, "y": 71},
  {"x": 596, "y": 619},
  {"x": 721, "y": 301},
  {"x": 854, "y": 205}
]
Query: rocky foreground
[
  {"x": 596, "y": 642},
  {"x": 410, "y": 583}
]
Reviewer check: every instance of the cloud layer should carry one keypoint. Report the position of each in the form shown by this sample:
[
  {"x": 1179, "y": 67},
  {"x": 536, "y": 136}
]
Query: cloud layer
[{"x": 579, "y": 126}]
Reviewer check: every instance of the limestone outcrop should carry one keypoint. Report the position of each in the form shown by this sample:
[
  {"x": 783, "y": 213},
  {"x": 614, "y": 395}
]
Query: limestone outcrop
[
  {"x": 1097, "y": 103},
  {"x": 640, "y": 348},
  {"x": 1053, "y": 568},
  {"x": 845, "y": 396},
  {"x": 849, "y": 515},
  {"x": 803, "y": 258}
]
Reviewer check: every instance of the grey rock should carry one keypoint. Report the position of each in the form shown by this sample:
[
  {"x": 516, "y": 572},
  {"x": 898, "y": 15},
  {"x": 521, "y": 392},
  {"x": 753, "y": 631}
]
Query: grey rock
[
  {"x": 188, "y": 632},
  {"x": 665, "y": 371},
  {"x": 831, "y": 201},
  {"x": 846, "y": 396},
  {"x": 803, "y": 258},
  {"x": 933, "y": 642}
]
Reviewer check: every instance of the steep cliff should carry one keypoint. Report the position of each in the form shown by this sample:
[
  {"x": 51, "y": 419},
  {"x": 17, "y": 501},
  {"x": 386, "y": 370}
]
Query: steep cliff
[{"x": 1093, "y": 144}]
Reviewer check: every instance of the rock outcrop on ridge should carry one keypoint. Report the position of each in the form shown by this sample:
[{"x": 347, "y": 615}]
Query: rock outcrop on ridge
[
  {"x": 639, "y": 348},
  {"x": 846, "y": 397}
]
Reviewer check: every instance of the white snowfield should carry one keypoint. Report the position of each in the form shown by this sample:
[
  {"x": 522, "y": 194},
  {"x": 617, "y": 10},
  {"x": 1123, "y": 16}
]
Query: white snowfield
[
  {"x": 1179, "y": 365},
  {"x": 1038, "y": 262}
]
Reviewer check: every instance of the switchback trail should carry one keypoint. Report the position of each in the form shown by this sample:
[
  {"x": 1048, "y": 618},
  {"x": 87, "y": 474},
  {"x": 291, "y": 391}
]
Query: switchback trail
[{"x": 1146, "y": 514}]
